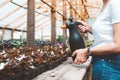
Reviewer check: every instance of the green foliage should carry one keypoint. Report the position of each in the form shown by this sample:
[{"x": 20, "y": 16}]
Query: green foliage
[
  {"x": 88, "y": 43},
  {"x": 19, "y": 42},
  {"x": 59, "y": 38}
]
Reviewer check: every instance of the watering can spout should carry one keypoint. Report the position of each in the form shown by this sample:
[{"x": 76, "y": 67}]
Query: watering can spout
[
  {"x": 70, "y": 21},
  {"x": 64, "y": 26}
]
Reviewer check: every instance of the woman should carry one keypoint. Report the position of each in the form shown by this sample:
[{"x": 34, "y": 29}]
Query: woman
[{"x": 106, "y": 48}]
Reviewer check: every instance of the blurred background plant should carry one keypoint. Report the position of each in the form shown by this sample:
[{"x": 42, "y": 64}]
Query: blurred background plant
[{"x": 88, "y": 43}]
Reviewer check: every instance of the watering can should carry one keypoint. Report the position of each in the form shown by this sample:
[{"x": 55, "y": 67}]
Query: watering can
[{"x": 75, "y": 38}]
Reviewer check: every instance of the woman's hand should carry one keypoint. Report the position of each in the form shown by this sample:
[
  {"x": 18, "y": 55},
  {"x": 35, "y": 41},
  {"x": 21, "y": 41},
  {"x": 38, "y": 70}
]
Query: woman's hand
[
  {"x": 81, "y": 56},
  {"x": 85, "y": 28},
  {"x": 82, "y": 29}
]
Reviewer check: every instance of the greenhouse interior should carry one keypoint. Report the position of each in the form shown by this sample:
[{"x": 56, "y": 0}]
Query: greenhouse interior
[{"x": 33, "y": 45}]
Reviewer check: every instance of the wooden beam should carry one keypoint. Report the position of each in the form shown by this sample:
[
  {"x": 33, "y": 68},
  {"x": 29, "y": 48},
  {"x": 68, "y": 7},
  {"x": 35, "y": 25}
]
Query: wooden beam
[
  {"x": 26, "y": 21},
  {"x": 42, "y": 26},
  {"x": 3, "y": 32},
  {"x": 71, "y": 9},
  {"x": 39, "y": 5},
  {"x": 11, "y": 13},
  {"x": 53, "y": 21},
  {"x": 94, "y": 17},
  {"x": 31, "y": 23},
  {"x": 92, "y": 4},
  {"x": 83, "y": 12},
  {"x": 41, "y": 23},
  {"x": 4, "y": 3},
  {"x": 75, "y": 12},
  {"x": 51, "y": 6},
  {"x": 40, "y": 19},
  {"x": 12, "y": 34},
  {"x": 16, "y": 19},
  {"x": 44, "y": 11},
  {"x": 93, "y": 10},
  {"x": 79, "y": 8},
  {"x": 64, "y": 20},
  {"x": 12, "y": 29},
  {"x": 19, "y": 25}
]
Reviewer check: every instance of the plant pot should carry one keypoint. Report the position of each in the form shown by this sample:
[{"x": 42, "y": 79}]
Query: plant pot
[
  {"x": 58, "y": 62},
  {"x": 34, "y": 73},
  {"x": 27, "y": 75},
  {"x": 50, "y": 65},
  {"x": 43, "y": 68},
  {"x": 18, "y": 76}
]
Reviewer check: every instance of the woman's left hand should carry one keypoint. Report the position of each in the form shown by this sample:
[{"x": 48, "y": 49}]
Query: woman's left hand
[{"x": 81, "y": 56}]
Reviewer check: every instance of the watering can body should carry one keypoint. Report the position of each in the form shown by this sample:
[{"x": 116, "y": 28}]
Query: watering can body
[{"x": 75, "y": 38}]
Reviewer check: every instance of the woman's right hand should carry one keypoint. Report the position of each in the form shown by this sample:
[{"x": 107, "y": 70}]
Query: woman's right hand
[{"x": 84, "y": 28}]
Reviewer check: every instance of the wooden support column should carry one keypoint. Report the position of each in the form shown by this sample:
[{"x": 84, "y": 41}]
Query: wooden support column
[
  {"x": 71, "y": 10},
  {"x": 12, "y": 33},
  {"x": 75, "y": 12},
  {"x": 3, "y": 31},
  {"x": 64, "y": 20},
  {"x": 84, "y": 13},
  {"x": 30, "y": 23},
  {"x": 53, "y": 21},
  {"x": 41, "y": 33},
  {"x": 79, "y": 9}
]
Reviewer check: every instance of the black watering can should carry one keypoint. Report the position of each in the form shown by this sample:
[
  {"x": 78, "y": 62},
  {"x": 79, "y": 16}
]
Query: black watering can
[{"x": 75, "y": 38}]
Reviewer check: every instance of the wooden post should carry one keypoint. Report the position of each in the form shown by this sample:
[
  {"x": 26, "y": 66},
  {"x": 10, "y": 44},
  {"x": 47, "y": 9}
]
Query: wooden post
[
  {"x": 84, "y": 16},
  {"x": 79, "y": 10},
  {"x": 42, "y": 34},
  {"x": 3, "y": 32},
  {"x": 83, "y": 11},
  {"x": 75, "y": 12},
  {"x": 71, "y": 10},
  {"x": 53, "y": 21},
  {"x": 30, "y": 23},
  {"x": 12, "y": 34},
  {"x": 64, "y": 20}
]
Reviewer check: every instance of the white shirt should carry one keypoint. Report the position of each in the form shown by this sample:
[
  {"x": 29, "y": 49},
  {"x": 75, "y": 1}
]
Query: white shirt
[{"x": 102, "y": 29}]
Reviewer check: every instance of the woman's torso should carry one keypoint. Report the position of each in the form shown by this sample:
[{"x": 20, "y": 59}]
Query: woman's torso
[{"x": 102, "y": 28}]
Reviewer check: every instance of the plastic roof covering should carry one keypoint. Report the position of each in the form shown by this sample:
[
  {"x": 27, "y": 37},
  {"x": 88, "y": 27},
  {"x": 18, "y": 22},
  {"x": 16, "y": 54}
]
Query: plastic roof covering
[
  {"x": 13, "y": 16},
  {"x": 11, "y": 21}
]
